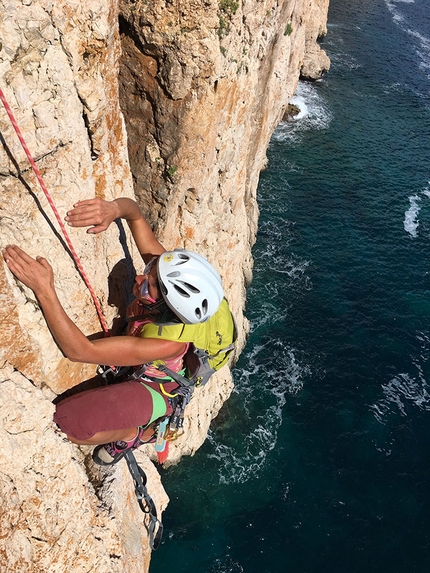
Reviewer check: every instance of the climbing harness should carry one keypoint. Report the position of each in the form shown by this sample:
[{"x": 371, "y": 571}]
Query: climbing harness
[
  {"x": 170, "y": 427},
  {"x": 155, "y": 529},
  {"x": 60, "y": 222},
  {"x": 146, "y": 503}
]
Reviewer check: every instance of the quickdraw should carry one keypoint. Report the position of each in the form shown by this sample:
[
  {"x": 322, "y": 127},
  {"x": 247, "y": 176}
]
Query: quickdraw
[
  {"x": 146, "y": 503},
  {"x": 176, "y": 421}
]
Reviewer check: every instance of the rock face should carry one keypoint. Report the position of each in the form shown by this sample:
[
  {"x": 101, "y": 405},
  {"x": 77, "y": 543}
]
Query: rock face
[
  {"x": 175, "y": 103},
  {"x": 315, "y": 60}
]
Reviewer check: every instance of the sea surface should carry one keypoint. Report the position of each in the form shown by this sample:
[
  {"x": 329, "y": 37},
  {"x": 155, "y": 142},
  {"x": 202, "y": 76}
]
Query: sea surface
[{"x": 320, "y": 461}]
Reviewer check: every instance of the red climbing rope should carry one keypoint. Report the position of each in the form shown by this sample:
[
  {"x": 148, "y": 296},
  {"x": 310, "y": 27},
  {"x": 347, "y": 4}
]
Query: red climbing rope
[{"x": 60, "y": 222}]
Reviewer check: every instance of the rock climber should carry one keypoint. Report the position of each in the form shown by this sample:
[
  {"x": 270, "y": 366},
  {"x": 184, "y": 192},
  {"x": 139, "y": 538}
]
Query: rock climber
[{"x": 175, "y": 285}]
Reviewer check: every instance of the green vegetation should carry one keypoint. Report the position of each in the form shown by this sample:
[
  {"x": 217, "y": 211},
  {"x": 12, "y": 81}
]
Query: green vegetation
[
  {"x": 171, "y": 171},
  {"x": 228, "y": 6},
  {"x": 288, "y": 29},
  {"x": 227, "y": 9},
  {"x": 223, "y": 29}
]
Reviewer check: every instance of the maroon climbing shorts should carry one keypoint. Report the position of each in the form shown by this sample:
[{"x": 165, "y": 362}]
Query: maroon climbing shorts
[{"x": 114, "y": 407}]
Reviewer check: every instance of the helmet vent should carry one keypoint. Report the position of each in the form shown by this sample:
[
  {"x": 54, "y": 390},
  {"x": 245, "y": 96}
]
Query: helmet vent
[
  {"x": 205, "y": 306},
  {"x": 183, "y": 259},
  {"x": 181, "y": 291},
  {"x": 190, "y": 287}
]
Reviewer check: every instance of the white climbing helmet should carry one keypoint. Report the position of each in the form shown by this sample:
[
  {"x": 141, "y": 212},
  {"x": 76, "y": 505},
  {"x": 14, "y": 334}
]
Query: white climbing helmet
[{"x": 190, "y": 285}]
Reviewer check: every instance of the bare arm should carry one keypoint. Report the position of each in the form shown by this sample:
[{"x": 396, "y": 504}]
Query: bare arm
[
  {"x": 98, "y": 214},
  {"x": 118, "y": 350}
]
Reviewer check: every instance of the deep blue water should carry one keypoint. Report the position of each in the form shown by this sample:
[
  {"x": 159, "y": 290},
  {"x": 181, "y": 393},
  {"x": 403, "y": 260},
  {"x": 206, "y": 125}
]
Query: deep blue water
[{"x": 320, "y": 461}]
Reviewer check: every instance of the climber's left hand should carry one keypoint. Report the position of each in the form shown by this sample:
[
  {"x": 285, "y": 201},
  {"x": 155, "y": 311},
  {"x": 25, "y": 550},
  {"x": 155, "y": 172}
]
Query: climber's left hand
[{"x": 96, "y": 214}]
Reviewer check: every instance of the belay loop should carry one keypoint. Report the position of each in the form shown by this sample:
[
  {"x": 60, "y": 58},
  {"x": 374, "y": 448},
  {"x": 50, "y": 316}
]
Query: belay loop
[{"x": 146, "y": 503}]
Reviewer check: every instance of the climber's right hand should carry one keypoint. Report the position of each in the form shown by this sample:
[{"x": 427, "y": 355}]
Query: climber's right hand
[
  {"x": 96, "y": 214},
  {"x": 36, "y": 274}
]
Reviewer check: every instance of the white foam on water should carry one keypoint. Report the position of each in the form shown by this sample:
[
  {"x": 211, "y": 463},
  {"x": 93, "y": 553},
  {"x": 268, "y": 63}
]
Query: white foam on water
[
  {"x": 403, "y": 389},
  {"x": 406, "y": 389},
  {"x": 267, "y": 311},
  {"x": 299, "y": 101},
  {"x": 265, "y": 315},
  {"x": 264, "y": 382},
  {"x": 345, "y": 61},
  {"x": 426, "y": 191},
  {"x": 423, "y": 42},
  {"x": 226, "y": 565},
  {"x": 411, "y": 222},
  {"x": 314, "y": 113},
  {"x": 394, "y": 9},
  {"x": 287, "y": 270},
  {"x": 423, "y": 49},
  {"x": 397, "y": 86},
  {"x": 397, "y": 16},
  {"x": 342, "y": 60}
]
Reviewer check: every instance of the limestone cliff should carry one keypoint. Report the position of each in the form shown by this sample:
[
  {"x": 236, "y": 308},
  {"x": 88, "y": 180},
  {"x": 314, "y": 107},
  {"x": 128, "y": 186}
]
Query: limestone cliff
[{"x": 172, "y": 101}]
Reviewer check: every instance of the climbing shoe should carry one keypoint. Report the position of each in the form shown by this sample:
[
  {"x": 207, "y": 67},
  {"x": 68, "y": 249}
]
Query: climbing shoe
[{"x": 109, "y": 454}]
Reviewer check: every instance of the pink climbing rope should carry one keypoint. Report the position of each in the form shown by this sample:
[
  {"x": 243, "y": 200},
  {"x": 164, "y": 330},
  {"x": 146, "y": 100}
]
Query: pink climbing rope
[{"x": 60, "y": 222}]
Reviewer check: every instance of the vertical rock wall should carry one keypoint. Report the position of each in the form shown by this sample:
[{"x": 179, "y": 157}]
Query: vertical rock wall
[
  {"x": 201, "y": 87},
  {"x": 59, "y": 70}
]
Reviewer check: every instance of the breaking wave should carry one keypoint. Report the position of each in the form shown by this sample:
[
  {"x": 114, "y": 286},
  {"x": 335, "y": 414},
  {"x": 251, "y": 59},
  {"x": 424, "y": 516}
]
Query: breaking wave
[{"x": 314, "y": 113}]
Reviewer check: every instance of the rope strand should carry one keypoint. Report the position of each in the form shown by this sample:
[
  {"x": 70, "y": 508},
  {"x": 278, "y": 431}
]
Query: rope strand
[{"x": 60, "y": 222}]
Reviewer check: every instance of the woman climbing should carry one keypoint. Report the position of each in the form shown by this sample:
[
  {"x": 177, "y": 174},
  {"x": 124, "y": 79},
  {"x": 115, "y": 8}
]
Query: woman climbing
[{"x": 178, "y": 286}]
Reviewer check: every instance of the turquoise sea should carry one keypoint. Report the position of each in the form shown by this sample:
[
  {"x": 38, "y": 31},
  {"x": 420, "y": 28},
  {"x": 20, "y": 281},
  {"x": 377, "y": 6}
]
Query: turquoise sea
[{"x": 320, "y": 461}]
